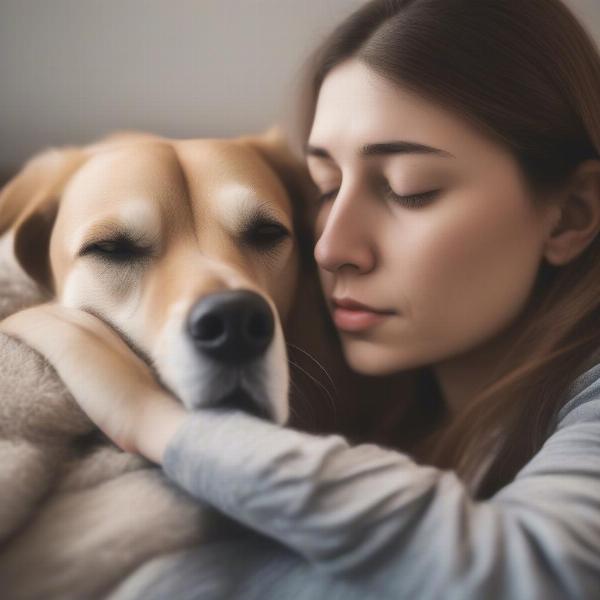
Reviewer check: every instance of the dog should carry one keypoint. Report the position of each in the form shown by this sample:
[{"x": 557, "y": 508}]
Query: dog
[
  {"x": 187, "y": 248},
  {"x": 192, "y": 251}
]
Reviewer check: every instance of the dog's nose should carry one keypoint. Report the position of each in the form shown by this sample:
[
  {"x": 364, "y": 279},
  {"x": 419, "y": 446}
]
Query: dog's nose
[{"x": 232, "y": 326}]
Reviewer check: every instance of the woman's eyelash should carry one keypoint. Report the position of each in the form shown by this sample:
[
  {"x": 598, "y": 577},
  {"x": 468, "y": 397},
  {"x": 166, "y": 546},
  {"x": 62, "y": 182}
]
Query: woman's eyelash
[
  {"x": 412, "y": 200},
  {"x": 409, "y": 200}
]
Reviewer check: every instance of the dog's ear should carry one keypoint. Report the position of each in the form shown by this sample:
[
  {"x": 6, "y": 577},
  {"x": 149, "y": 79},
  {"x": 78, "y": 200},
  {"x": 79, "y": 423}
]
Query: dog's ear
[{"x": 29, "y": 204}]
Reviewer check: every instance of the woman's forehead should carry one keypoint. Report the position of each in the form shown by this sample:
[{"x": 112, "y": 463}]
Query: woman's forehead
[{"x": 357, "y": 109}]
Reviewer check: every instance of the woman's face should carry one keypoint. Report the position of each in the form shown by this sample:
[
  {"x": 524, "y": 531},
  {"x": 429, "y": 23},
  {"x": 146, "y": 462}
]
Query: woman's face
[{"x": 422, "y": 219}]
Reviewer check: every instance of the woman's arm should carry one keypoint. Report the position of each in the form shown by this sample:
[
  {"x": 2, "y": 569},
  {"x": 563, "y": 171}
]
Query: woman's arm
[
  {"x": 373, "y": 515},
  {"x": 360, "y": 513}
]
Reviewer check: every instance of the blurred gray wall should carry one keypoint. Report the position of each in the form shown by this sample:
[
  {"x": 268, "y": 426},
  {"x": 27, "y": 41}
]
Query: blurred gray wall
[{"x": 73, "y": 70}]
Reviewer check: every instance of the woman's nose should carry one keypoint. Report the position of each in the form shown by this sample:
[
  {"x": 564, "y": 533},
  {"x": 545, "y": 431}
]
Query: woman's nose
[{"x": 346, "y": 237}]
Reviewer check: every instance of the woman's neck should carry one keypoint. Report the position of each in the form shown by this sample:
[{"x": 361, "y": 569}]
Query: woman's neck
[{"x": 461, "y": 377}]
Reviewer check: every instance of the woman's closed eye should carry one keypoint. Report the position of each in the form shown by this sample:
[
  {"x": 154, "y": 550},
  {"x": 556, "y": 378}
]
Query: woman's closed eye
[{"x": 409, "y": 200}]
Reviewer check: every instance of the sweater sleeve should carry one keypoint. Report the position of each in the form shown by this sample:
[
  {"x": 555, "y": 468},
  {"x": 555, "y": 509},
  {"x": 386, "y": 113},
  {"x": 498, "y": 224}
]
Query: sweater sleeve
[{"x": 371, "y": 515}]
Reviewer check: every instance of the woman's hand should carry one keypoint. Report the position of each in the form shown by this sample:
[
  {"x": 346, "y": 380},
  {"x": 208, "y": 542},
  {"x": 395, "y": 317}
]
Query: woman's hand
[{"x": 113, "y": 386}]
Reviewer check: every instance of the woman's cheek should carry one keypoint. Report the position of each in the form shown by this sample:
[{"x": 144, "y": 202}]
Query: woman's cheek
[{"x": 473, "y": 278}]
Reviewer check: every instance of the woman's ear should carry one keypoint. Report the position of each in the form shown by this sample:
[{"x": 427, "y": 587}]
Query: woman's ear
[{"x": 577, "y": 223}]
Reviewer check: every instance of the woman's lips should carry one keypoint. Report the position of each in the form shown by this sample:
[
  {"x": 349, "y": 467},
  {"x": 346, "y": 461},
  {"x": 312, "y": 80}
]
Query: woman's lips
[{"x": 349, "y": 315}]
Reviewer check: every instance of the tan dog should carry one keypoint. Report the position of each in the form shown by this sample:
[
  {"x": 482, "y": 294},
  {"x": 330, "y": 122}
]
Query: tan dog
[
  {"x": 190, "y": 250},
  {"x": 171, "y": 243}
]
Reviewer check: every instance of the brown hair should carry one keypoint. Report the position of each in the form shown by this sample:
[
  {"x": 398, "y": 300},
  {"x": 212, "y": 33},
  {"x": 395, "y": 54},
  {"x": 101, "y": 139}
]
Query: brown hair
[{"x": 526, "y": 73}]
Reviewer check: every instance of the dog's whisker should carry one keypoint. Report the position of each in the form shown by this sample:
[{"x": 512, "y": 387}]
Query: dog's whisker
[
  {"x": 330, "y": 398},
  {"x": 309, "y": 355},
  {"x": 306, "y": 401},
  {"x": 294, "y": 387},
  {"x": 331, "y": 394},
  {"x": 293, "y": 412},
  {"x": 298, "y": 393},
  {"x": 313, "y": 378}
]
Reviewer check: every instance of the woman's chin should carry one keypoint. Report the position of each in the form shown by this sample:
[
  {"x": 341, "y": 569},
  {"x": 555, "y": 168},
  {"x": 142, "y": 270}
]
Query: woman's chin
[{"x": 373, "y": 361}]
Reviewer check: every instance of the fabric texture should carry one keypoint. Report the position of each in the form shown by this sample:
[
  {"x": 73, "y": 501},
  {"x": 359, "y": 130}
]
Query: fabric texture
[{"x": 74, "y": 509}]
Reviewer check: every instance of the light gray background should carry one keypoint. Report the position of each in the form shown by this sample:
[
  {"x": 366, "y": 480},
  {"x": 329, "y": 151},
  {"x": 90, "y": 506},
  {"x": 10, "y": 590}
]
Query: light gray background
[{"x": 73, "y": 70}]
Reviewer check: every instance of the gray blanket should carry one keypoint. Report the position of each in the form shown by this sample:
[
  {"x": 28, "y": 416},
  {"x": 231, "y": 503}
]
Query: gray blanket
[{"x": 77, "y": 514}]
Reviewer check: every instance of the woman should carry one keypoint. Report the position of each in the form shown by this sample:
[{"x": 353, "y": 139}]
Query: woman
[{"x": 456, "y": 146}]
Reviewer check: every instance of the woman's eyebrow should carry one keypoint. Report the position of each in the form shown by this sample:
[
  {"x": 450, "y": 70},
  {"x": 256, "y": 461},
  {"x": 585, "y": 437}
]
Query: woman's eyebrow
[{"x": 385, "y": 148}]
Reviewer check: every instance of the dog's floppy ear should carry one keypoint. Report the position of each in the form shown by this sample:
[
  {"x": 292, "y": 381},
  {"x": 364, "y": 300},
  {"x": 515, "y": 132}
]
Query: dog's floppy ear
[{"x": 29, "y": 204}]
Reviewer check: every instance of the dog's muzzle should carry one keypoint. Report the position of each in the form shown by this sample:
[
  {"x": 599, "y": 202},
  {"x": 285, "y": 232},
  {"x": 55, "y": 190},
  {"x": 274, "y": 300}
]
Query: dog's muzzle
[{"x": 234, "y": 329}]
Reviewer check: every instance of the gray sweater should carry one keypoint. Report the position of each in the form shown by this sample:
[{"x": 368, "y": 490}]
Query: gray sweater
[{"x": 343, "y": 521}]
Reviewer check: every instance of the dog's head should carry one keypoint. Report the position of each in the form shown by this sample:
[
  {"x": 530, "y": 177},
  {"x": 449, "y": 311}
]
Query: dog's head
[{"x": 188, "y": 248}]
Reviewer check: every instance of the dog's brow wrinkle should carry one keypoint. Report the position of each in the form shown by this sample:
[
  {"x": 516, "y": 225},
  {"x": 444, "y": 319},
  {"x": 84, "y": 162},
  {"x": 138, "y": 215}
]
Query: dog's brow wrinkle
[{"x": 185, "y": 182}]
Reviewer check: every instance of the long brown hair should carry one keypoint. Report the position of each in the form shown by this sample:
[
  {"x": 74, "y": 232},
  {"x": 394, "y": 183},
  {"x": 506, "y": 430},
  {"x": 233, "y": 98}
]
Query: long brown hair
[{"x": 527, "y": 74}]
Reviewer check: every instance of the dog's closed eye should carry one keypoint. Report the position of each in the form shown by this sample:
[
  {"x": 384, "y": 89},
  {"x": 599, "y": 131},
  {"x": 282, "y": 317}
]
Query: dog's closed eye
[
  {"x": 264, "y": 234},
  {"x": 119, "y": 249}
]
